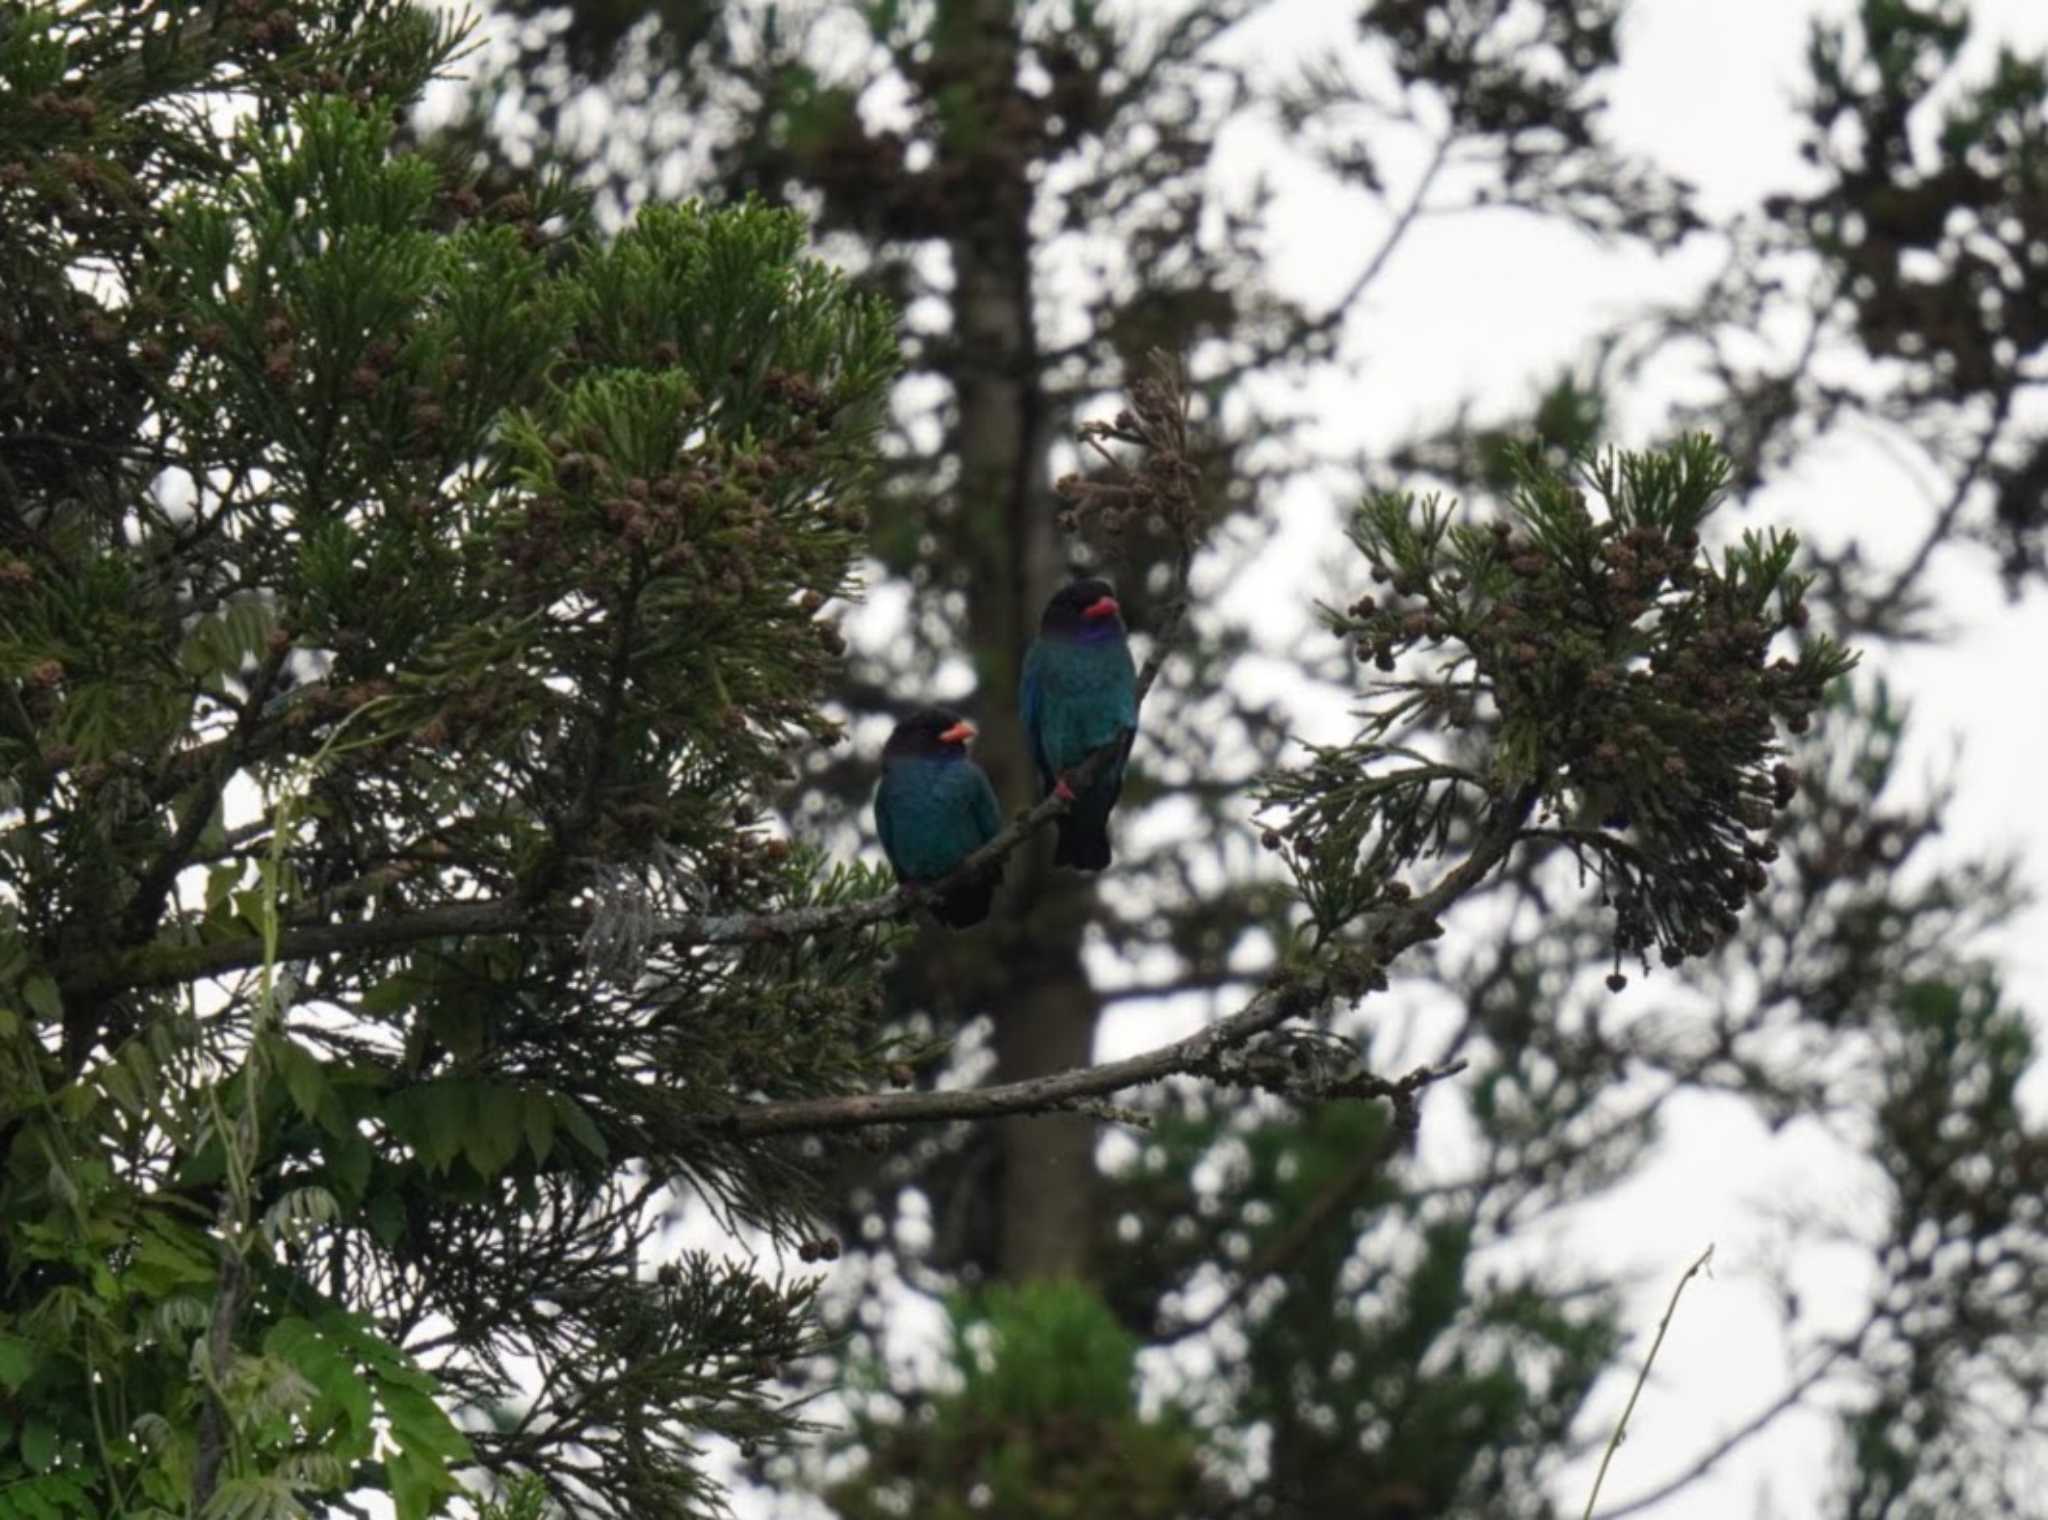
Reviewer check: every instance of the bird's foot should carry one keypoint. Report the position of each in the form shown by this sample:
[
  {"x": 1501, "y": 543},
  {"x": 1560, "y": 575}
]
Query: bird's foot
[{"x": 1062, "y": 791}]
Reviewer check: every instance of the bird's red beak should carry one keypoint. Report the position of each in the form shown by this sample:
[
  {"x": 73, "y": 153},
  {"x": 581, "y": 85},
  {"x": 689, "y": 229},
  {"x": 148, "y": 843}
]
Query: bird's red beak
[
  {"x": 1101, "y": 607},
  {"x": 959, "y": 733}
]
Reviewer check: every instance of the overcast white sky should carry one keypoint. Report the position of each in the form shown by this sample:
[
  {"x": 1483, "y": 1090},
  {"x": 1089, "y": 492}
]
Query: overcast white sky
[
  {"x": 1478, "y": 309},
  {"x": 1706, "y": 89}
]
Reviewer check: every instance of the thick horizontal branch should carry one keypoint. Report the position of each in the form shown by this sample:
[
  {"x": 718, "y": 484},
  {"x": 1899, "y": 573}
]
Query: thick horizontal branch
[
  {"x": 1286, "y": 994},
  {"x": 1278, "y": 1001},
  {"x": 160, "y": 964}
]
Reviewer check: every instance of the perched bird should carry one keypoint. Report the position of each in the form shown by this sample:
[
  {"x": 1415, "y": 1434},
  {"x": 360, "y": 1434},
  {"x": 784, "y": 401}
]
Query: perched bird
[
  {"x": 1080, "y": 692},
  {"x": 934, "y": 808}
]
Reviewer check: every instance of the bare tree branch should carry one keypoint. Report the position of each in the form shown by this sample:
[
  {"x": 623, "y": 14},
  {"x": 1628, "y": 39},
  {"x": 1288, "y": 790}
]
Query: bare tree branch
[{"x": 1288, "y": 993}]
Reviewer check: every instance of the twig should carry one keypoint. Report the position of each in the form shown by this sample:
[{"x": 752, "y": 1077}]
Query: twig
[
  {"x": 1621, "y": 1426},
  {"x": 1707, "y": 1460}
]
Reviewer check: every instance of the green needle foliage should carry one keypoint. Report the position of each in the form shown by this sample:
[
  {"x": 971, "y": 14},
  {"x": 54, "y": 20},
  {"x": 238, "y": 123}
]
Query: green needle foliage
[
  {"x": 1021, "y": 144},
  {"x": 1622, "y": 677},
  {"x": 404, "y": 602},
  {"x": 409, "y": 612}
]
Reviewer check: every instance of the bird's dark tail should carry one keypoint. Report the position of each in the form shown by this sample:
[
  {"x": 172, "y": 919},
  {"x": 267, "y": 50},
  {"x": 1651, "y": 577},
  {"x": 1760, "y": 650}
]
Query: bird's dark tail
[
  {"x": 964, "y": 907},
  {"x": 1084, "y": 835}
]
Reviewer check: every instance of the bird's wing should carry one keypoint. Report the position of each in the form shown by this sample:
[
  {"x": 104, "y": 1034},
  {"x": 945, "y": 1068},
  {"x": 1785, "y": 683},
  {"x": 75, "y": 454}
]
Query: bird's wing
[
  {"x": 885, "y": 818},
  {"x": 1029, "y": 702},
  {"x": 988, "y": 813}
]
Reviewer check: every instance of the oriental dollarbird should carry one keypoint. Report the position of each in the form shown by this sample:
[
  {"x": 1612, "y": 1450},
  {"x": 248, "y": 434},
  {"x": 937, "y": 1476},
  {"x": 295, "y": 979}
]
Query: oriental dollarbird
[
  {"x": 1080, "y": 692},
  {"x": 934, "y": 808}
]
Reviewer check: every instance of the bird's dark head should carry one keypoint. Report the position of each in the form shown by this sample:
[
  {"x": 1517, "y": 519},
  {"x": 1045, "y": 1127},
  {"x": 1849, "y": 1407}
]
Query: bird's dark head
[
  {"x": 932, "y": 732},
  {"x": 1083, "y": 609}
]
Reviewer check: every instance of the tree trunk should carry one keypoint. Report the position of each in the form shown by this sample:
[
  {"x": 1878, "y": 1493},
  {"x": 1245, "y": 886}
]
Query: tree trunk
[{"x": 1045, "y": 1009}]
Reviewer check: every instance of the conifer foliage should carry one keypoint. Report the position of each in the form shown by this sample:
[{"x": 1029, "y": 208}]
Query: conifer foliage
[
  {"x": 413, "y": 605},
  {"x": 404, "y": 597},
  {"x": 1051, "y": 190},
  {"x": 1625, "y": 678}
]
